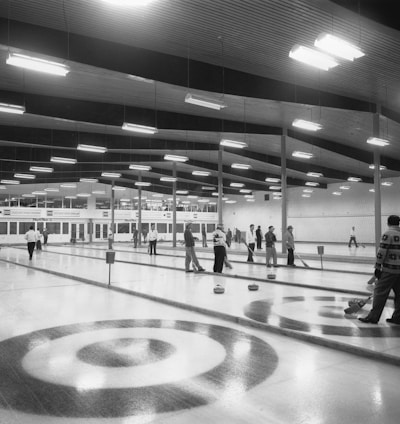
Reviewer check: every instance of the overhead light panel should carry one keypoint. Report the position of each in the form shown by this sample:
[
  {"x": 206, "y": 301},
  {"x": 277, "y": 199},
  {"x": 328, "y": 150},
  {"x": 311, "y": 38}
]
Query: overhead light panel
[
  {"x": 39, "y": 193},
  {"x": 387, "y": 183},
  {"x": 8, "y": 108},
  {"x": 139, "y": 167},
  {"x": 25, "y": 176},
  {"x": 233, "y": 143},
  {"x": 306, "y": 125},
  {"x": 338, "y": 47},
  {"x": 378, "y": 141},
  {"x": 312, "y": 184},
  {"x": 198, "y": 100},
  {"x": 91, "y": 148},
  {"x": 208, "y": 188},
  {"x": 142, "y": 184},
  {"x": 143, "y": 129},
  {"x": 176, "y": 158},
  {"x": 36, "y": 64},
  {"x": 41, "y": 169},
  {"x": 111, "y": 174},
  {"x": 68, "y": 185},
  {"x": 88, "y": 180},
  {"x": 381, "y": 167},
  {"x": 240, "y": 166},
  {"x": 354, "y": 179},
  {"x": 302, "y": 155},
  {"x": 116, "y": 188},
  {"x": 272, "y": 180},
  {"x": 10, "y": 182},
  {"x": 344, "y": 187},
  {"x": 168, "y": 179},
  {"x": 314, "y": 174},
  {"x": 312, "y": 57},
  {"x": 52, "y": 189},
  {"x": 245, "y": 190},
  {"x": 58, "y": 159},
  {"x": 273, "y": 187},
  {"x": 337, "y": 193},
  {"x": 201, "y": 173},
  {"x": 182, "y": 192},
  {"x": 239, "y": 185}
]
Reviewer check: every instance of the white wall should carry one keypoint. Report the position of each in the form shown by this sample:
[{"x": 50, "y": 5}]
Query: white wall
[{"x": 323, "y": 217}]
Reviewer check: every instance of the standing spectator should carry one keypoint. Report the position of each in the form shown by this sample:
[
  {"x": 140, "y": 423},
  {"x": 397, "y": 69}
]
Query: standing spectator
[
  {"x": 38, "y": 240},
  {"x": 30, "y": 237},
  {"x": 204, "y": 235},
  {"x": 259, "y": 237},
  {"x": 387, "y": 271},
  {"x": 45, "y": 236},
  {"x": 144, "y": 233},
  {"x": 289, "y": 239},
  {"x": 153, "y": 235},
  {"x": 219, "y": 241},
  {"x": 251, "y": 243},
  {"x": 190, "y": 253},
  {"x": 270, "y": 240},
  {"x": 353, "y": 237},
  {"x": 135, "y": 237},
  {"x": 229, "y": 237}
]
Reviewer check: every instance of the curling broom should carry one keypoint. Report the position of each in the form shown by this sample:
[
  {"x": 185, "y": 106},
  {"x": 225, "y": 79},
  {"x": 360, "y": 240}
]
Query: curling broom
[
  {"x": 304, "y": 263},
  {"x": 356, "y": 305}
]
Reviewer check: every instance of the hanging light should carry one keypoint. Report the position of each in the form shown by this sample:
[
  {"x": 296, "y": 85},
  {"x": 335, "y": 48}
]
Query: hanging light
[
  {"x": 381, "y": 142},
  {"x": 176, "y": 158},
  {"x": 306, "y": 125},
  {"x": 41, "y": 169},
  {"x": 354, "y": 179},
  {"x": 90, "y": 148},
  {"x": 240, "y": 166},
  {"x": 272, "y": 180},
  {"x": 7, "y": 108},
  {"x": 139, "y": 167},
  {"x": 314, "y": 174},
  {"x": 233, "y": 143},
  {"x": 168, "y": 179},
  {"x": 143, "y": 129},
  {"x": 338, "y": 47},
  {"x": 111, "y": 174},
  {"x": 237, "y": 185},
  {"x": 201, "y": 173},
  {"x": 312, "y": 57},
  {"x": 36, "y": 64},
  {"x": 58, "y": 159},
  {"x": 142, "y": 184},
  {"x": 302, "y": 155},
  {"x": 25, "y": 176},
  {"x": 203, "y": 101},
  {"x": 88, "y": 180}
]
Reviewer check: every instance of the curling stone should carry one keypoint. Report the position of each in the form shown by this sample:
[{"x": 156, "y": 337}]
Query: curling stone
[
  {"x": 271, "y": 276},
  {"x": 252, "y": 287},
  {"x": 218, "y": 289}
]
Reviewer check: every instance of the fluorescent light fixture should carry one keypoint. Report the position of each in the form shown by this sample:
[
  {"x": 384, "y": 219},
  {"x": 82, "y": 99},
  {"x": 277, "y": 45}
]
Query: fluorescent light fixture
[
  {"x": 244, "y": 190},
  {"x": 142, "y": 184},
  {"x": 273, "y": 187},
  {"x": 338, "y": 47},
  {"x": 116, "y": 188},
  {"x": 306, "y": 125},
  {"x": 378, "y": 141},
  {"x": 41, "y": 169},
  {"x": 39, "y": 193},
  {"x": 372, "y": 190},
  {"x": 354, "y": 179},
  {"x": 68, "y": 185},
  {"x": 186, "y": 202},
  {"x": 272, "y": 180},
  {"x": 240, "y": 166},
  {"x": 83, "y": 195},
  {"x": 28, "y": 195},
  {"x": 344, "y": 187},
  {"x": 168, "y": 179},
  {"x": 139, "y": 167},
  {"x": 236, "y": 185},
  {"x": 250, "y": 200},
  {"x": 233, "y": 143},
  {"x": 381, "y": 167},
  {"x": 176, "y": 158},
  {"x": 201, "y": 173},
  {"x": 36, "y": 64},
  {"x": 225, "y": 199},
  {"x": 98, "y": 192},
  {"x": 91, "y": 148},
  {"x": 182, "y": 191},
  {"x": 7, "y": 108},
  {"x": 111, "y": 174},
  {"x": 10, "y": 182},
  {"x": 248, "y": 196},
  {"x": 143, "y": 129},
  {"x": 58, "y": 159},
  {"x": 25, "y": 176},
  {"x": 204, "y": 200},
  {"x": 230, "y": 201},
  {"x": 198, "y": 100},
  {"x": 387, "y": 183},
  {"x": 192, "y": 196},
  {"x": 88, "y": 180},
  {"x": 208, "y": 188},
  {"x": 314, "y": 174},
  {"x": 302, "y": 155},
  {"x": 308, "y": 190},
  {"x": 306, "y": 195},
  {"x": 157, "y": 195},
  {"x": 215, "y": 193},
  {"x": 312, "y": 57},
  {"x": 53, "y": 189},
  {"x": 337, "y": 193},
  {"x": 70, "y": 197},
  {"x": 312, "y": 184}
]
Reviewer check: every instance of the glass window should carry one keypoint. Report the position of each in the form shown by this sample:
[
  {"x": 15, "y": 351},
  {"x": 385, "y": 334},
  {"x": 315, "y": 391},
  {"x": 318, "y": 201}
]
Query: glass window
[
  {"x": 53, "y": 227},
  {"x": 195, "y": 228},
  {"x": 123, "y": 228},
  {"x": 24, "y": 227},
  {"x": 162, "y": 228},
  {"x": 13, "y": 228},
  {"x": 133, "y": 227},
  {"x": 3, "y": 227},
  {"x": 179, "y": 228},
  {"x": 65, "y": 227},
  {"x": 210, "y": 228}
]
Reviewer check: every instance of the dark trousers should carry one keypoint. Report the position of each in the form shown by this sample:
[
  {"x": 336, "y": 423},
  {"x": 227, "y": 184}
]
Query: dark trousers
[
  {"x": 259, "y": 241},
  {"x": 152, "y": 247},
  {"x": 382, "y": 289},
  {"x": 38, "y": 245},
  {"x": 250, "y": 250},
  {"x": 353, "y": 239},
  {"x": 290, "y": 256},
  {"x": 31, "y": 248},
  {"x": 219, "y": 257}
]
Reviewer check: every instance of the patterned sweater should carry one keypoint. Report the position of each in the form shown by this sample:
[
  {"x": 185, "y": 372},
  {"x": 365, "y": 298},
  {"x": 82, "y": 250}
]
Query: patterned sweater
[{"x": 388, "y": 256}]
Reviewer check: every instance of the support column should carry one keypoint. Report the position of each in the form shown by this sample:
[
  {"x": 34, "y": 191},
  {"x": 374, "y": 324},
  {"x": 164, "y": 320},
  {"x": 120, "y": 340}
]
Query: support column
[
  {"x": 284, "y": 187},
  {"x": 111, "y": 230},
  {"x": 174, "y": 205},
  {"x": 220, "y": 185},
  {"x": 139, "y": 212},
  {"x": 377, "y": 181}
]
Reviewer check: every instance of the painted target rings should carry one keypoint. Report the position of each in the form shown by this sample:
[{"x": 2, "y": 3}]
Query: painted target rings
[{"x": 128, "y": 367}]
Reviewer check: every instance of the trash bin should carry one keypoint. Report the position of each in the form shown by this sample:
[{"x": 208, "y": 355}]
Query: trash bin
[
  {"x": 110, "y": 256},
  {"x": 320, "y": 250}
]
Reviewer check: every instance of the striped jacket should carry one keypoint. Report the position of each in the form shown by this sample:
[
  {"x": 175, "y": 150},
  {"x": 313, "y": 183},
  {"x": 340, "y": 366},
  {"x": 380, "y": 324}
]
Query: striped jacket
[{"x": 388, "y": 256}]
